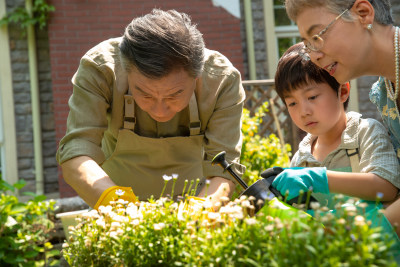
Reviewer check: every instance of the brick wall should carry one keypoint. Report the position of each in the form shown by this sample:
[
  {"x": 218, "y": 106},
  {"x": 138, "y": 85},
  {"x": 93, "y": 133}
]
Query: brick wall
[
  {"x": 23, "y": 108},
  {"x": 78, "y": 25}
]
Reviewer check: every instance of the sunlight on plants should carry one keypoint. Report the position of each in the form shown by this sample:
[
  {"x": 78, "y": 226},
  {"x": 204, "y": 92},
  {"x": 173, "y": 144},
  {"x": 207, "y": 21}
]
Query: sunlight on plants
[
  {"x": 25, "y": 228},
  {"x": 160, "y": 233},
  {"x": 258, "y": 152}
]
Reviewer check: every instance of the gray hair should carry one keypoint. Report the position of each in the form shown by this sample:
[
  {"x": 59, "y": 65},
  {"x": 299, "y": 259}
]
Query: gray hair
[
  {"x": 160, "y": 42},
  {"x": 383, "y": 12}
]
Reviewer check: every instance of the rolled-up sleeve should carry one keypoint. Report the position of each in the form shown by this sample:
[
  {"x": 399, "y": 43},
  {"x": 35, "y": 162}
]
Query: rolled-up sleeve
[
  {"x": 223, "y": 131},
  {"x": 377, "y": 154},
  {"x": 87, "y": 118}
]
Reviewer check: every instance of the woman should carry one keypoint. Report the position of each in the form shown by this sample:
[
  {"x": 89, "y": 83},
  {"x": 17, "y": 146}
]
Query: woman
[{"x": 350, "y": 39}]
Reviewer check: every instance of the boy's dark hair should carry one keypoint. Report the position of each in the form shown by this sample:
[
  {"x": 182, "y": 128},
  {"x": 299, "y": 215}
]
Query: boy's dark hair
[
  {"x": 295, "y": 69},
  {"x": 161, "y": 42}
]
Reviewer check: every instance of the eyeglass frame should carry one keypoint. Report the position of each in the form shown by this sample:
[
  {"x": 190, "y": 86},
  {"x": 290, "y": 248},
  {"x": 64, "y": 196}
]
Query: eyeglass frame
[{"x": 308, "y": 45}]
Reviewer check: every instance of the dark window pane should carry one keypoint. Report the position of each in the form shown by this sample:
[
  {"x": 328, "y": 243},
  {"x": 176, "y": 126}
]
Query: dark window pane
[
  {"x": 281, "y": 18},
  {"x": 285, "y": 43}
]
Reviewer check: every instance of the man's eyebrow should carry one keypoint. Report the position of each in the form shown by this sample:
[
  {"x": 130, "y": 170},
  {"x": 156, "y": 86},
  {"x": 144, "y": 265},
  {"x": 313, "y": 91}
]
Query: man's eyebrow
[
  {"x": 170, "y": 95},
  {"x": 175, "y": 93},
  {"x": 140, "y": 89}
]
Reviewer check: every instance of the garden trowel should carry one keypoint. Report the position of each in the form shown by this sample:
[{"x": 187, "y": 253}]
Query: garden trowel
[{"x": 263, "y": 189}]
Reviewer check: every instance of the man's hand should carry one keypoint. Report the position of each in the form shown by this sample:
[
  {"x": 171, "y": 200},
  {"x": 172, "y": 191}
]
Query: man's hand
[
  {"x": 114, "y": 193},
  {"x": 86, "y": 177},
  {"x": 294, "y": 180},
  {"x": 218, "y": 187}
]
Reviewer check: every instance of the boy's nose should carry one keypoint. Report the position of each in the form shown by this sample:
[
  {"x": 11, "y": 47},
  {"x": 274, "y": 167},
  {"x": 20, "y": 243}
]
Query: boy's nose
[{"x": 305, "y": 110}]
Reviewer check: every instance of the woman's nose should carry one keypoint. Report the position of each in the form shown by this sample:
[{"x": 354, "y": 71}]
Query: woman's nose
[{"x": 316, "y": 56}]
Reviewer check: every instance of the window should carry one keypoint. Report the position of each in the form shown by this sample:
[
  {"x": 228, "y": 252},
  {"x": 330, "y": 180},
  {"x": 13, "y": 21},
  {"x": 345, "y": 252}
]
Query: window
[{"x": 8, "y": 144}]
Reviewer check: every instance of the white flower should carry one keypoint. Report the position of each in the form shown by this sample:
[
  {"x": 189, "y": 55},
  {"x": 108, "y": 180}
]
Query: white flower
[
  {"x": 120, "y": 218},
  {"x": 132, "y": 211},
  {"x": 260, "y": 202},
  {"x": 122, "y": 201},
  {"x": 119, "y": 192},
  {"x": 159, "y": 226},
  {"x": 250, "y": 221},
  {"x": 100, "y": 222},
  {"x": 245, "y": 203},
  {"x": 350, "y": 209},
  {"x": 175, "y": 176},
  {"x": 314, "y": 205},
  {"x": 213, "y": 215},
  {"x": 166, "y": 177},
  {"x": 135, "y": 222},
  {"x": 207, "y": 204},
  {"x": 113, "y": 234},
  {"x": 224, "y": 199},
  {"x": 359, "y": 220},
  {"x": 269, "y": 227},
  {"x": 88, "y": 243}
]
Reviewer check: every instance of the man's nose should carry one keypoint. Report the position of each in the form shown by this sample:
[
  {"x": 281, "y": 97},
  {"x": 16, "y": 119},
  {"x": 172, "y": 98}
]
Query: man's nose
[{"x": 159, "y": 108}]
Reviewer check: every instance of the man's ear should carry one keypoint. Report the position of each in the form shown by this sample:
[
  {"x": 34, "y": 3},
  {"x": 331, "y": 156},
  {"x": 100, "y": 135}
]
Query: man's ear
[
  {"x": 364, "y": 12},
  {"x": 344, "y": 92}
]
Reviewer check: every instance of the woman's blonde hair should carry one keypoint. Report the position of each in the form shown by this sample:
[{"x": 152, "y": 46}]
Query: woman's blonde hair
[{"x": 383, "y": 13}]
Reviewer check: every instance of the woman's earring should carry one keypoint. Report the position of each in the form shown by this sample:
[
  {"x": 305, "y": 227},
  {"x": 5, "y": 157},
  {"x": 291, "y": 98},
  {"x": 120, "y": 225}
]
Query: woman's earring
[{"x": 369, "y": 27}]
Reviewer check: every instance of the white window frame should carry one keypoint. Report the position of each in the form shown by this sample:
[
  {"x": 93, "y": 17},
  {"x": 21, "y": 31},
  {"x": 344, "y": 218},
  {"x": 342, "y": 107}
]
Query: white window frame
[
  {"x": 273, "y": 33},
  {"x": 8, "y": 144}
]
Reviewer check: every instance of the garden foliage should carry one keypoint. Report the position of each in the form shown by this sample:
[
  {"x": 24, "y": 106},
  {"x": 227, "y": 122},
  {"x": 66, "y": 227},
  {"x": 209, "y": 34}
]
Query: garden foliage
[
  {"x": 159, "y": 233},
  {"x": 25, "y": 229},
  {"x": 166, "y": 233},
  {"x": 259, "y": 152}
]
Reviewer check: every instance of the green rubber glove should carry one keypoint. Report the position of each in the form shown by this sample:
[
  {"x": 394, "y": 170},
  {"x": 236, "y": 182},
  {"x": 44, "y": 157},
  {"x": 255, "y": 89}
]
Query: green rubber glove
[{"x": 294, "y": 180}]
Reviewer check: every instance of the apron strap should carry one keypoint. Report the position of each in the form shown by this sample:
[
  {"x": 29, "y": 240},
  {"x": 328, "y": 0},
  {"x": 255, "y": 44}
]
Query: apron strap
[
  {"x": 129, "y": 116},
  {"x": 354, "y": 159},
  {"x": 195, "y": 123}
]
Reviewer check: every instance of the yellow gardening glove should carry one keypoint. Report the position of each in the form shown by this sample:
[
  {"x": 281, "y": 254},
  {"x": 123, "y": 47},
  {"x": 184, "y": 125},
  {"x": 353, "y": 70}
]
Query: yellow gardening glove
[{"x": 114, "y": 193}]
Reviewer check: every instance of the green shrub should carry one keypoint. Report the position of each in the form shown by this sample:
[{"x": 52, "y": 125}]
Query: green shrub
[
  {"x": 260, "y": 153},
  {"x": 164, "y": 233},
  {"x": 161, "y": 233},
  {"x": 25, "y": 228}
]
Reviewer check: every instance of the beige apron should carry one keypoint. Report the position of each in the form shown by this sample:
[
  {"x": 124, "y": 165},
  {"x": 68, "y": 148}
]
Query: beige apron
[{"x": 140, "y": 162}]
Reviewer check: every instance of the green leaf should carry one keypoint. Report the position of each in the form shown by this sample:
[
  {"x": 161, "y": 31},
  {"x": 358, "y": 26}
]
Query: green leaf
[
  {"x": 6, "y": 186},
  {"x": 40, "y": 198},
  {"x": 20, "y": 184},
  {"x": 52, "y": 253},
  {"x": 18, "y": 208},
  {"x": 30, "y": 254},
  {"x": 29, "y": 194}
]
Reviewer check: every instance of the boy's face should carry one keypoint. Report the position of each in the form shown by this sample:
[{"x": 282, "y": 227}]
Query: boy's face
[{"x": 316, "y": 108}]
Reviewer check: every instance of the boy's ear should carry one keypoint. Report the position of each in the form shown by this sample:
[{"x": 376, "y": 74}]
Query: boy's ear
[{"x": 344, "y": 92}]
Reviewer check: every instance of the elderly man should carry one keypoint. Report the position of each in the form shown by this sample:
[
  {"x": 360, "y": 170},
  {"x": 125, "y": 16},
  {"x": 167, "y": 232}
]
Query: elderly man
[{"x": 151, "y": 103}]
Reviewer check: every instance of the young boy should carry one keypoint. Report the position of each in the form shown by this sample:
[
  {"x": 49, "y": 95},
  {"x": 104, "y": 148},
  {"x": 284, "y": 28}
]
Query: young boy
[{"x": 351, "y": 156}]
